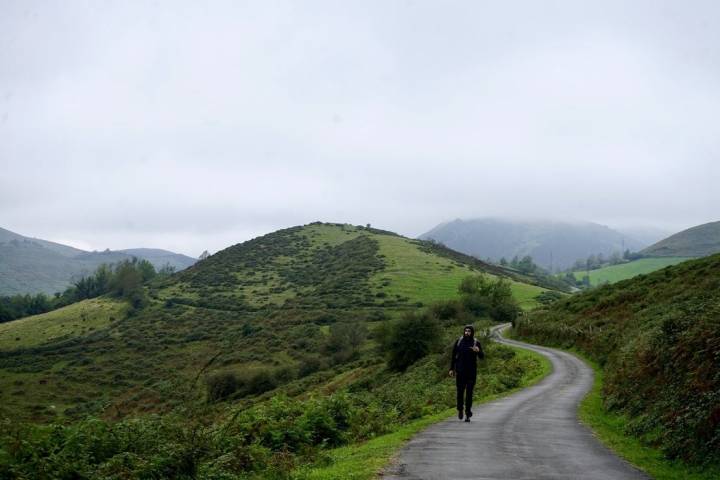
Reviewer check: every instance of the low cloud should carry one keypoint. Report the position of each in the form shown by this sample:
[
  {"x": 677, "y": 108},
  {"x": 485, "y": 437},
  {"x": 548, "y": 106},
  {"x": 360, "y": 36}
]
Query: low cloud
[{"x": 188, "y": 126}]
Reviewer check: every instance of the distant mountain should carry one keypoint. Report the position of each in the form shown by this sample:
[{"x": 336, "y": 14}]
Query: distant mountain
[
  {"x": 7, "y": 236},
  {"x": 32, "y": 265},
  {"x": 698, "y": 241},
  {"x": 160, "y": 257},
  {"x": 559, "y": 243},
  {"x": 645, "y": 235}
]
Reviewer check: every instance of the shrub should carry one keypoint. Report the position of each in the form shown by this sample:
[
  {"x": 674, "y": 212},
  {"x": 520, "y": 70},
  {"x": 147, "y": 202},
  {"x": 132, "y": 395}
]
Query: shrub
[
  {"x": 221, "y": 385},
  {"x": 483, "y": 297},
  {"x": 259, "y": 382},
  {"x": 447, "y": 310},
  {"x": 410, "y": 339}
]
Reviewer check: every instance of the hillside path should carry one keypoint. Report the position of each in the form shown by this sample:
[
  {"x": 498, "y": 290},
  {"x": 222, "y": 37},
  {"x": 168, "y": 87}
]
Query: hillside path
[{"x": 533, "y": 434}]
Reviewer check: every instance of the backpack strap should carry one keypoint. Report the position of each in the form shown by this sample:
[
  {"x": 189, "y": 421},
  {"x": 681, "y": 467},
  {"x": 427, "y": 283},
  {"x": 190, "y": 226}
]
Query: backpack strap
[{"x": 457, "y": 344}]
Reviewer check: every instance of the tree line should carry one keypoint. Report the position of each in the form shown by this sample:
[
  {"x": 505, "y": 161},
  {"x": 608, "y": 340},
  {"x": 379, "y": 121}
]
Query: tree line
[
  {"x": 120, "y": 280},
  {"x": 525, "y": 264},
  {"x": 596, "y": 261}
]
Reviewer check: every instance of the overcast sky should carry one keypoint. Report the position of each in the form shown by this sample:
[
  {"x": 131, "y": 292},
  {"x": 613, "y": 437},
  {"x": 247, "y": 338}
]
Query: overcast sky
[{"x": 193, "y": 126}]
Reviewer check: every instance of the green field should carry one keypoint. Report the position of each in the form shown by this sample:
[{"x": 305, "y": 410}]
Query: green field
[
  {"x": 74, "y": 320},
  {"x": 615, "y": 273},
  {"x": 423, "y": 277}
]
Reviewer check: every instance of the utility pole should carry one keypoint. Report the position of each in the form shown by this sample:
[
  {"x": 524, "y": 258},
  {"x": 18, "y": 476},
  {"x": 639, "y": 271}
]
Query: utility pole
[{"x": 551, "y": 263}]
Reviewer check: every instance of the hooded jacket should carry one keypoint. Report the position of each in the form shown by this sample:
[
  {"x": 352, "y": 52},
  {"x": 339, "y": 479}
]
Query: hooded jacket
[{"x": 463, "y": 359}]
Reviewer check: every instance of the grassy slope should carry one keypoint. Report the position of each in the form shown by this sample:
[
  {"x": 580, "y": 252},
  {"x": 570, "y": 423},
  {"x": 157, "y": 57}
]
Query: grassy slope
[
  {"x": 263, "y": 304},
  {"x": 697, "y": 241},
  {"x": 42, "y": 393},
  {"x": 615, "y": 273},
  {"x": 655, "y": 337},
  {"x": 422, "y": 277},
  {"x": 72, "y": 321},
  {"x": 610, "y": 428}
]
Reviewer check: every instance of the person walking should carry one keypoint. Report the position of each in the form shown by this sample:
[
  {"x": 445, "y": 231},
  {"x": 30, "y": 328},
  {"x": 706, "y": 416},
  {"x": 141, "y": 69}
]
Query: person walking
[{"x": 463, "y": 366}]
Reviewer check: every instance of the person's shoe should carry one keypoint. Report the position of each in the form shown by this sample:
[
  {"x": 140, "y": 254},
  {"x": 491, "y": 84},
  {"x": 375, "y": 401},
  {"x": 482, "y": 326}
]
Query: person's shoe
[
  {"x": 468, "y": 414},
  {"x": 467, "y": 419},
  {"x": 460, "y": 415}
]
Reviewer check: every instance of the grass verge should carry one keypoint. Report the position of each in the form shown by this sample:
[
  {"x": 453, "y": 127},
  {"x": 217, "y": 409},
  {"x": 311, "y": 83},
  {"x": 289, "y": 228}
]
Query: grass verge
[
  {"x": 609, "y": 428},
  {"x": 364, "y": 461}
]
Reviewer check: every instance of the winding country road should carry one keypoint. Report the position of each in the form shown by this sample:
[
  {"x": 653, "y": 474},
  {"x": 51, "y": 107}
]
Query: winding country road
[{"x": 533, "y": 434}]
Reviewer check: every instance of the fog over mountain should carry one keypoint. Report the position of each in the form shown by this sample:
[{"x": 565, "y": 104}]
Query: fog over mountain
[
  {"x": 193, "y": 126},
  {"x": 551, "y": 244}
]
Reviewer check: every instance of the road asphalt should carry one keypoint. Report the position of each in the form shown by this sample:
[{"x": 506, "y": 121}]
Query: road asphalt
[{"x": 533, "y": 434}]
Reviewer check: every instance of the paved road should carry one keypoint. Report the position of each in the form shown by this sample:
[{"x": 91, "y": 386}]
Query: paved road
[{"x": 533, "y": 434}]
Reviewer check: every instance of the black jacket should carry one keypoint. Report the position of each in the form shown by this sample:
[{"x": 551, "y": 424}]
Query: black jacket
[{"x": 463, "y": 359}]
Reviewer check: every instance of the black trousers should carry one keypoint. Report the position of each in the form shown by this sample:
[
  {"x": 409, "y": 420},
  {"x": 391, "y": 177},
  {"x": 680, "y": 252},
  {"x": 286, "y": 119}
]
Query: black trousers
[{"x": 465, "y": 385}]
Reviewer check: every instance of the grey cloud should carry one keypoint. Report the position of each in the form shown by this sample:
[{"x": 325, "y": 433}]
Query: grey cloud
[{"x": 205, "y": 124}]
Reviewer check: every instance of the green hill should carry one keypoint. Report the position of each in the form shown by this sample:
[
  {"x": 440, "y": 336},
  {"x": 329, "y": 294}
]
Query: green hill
[
  {"x": 697, "y": 241},
  {"x": 657, "y": 337},
  {"x": 623, "y": 271},
  {"x": 266, "y": 305},
  {"x": 31, "y": 265},
  {"x": 251, "y": 363}
]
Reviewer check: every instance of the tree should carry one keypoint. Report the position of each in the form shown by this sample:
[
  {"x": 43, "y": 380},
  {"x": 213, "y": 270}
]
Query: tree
[
  {"x": 578, "y": 265},
  {"x": 204, "y": 255},
  {"x": 526, "y": 265},
  {"x": 570, "y": 278},
  {"x": 345, "y": 339},
  {"x": 5, "y": 314},
  {"x": 474, "y": 284},
  {"x": 591, "y": 262},
  {"x": 482, "y": 297},
  {"x": 615, "y": 258},
  {"x": 411, "y": 338},
  {"x": 147, "y": 270},
  {"x": 503, "y": 262},
  {"x": 127, "y": 283},
  {"x": 166, "y": 270}
]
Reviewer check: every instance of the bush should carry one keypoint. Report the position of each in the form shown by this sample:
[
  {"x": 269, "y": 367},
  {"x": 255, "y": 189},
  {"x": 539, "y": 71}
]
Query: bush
[
  {"x": 548, "y": 297},
  {"x": 258, "y": 382},
  {"x": 221, "y": 385},
  {"x": 410, "y": 339},
  {"x": 483, "y": 297},
  {"x": 447, "y": 310}
]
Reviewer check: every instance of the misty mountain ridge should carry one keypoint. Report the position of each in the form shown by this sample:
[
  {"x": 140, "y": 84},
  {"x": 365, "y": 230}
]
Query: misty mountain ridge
[
  {"x": 645, "y": 234},
  {"x": 551, "y": 243},
  {"x": 33, "y": 265},
  {"x": 698, "y": 241}
]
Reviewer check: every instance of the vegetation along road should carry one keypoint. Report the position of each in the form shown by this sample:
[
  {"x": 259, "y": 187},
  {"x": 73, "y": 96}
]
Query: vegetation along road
[{"x": 533, "y": 434}]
